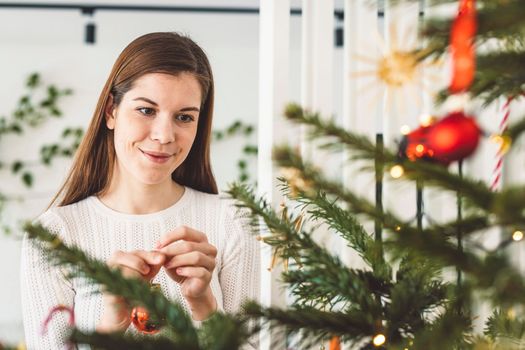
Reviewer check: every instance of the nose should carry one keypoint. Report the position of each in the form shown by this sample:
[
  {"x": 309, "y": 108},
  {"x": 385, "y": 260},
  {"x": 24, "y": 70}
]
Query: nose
[{"x": 162, "y": 129}]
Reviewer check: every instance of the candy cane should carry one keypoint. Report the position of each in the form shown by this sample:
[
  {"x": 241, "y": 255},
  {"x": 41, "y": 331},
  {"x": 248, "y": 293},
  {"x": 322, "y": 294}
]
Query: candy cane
[{"x": 498, "y": 167}]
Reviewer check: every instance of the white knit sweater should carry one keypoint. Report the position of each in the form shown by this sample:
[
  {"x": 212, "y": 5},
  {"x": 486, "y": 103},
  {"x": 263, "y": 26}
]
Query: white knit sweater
[{"x": 100, "y": 231}]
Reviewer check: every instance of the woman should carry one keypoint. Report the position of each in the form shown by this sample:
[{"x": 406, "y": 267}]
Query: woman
[{"x": 141, "y": 195}]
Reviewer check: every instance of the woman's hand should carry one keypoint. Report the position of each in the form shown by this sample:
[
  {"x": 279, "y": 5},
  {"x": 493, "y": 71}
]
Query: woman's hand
[
  {"x": 190, "y": 261},
  {"x": 138, "y": 264}
]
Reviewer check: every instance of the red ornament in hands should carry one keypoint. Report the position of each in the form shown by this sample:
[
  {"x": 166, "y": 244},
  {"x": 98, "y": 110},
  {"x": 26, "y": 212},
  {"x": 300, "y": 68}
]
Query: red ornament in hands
[
  {"x": 453, "y": 138},
  {"x": 142, "y": 320}
]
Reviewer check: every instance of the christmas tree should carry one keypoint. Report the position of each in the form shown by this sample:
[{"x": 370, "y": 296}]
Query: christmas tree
[{"x": 400, "y": 299}]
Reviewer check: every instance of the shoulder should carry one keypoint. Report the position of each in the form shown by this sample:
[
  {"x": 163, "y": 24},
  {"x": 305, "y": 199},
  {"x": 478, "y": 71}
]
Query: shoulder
[
  {"x": 59, "y": 219},
  {"x": 220, "y": 208},
  {"x": 211, "y": 204}
]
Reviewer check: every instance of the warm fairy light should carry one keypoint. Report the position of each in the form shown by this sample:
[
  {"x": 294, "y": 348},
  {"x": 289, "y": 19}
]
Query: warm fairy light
[
  {"x": 511, "y": 314},
  {"x": 517, "y": 236},
  {"x": 405, "y": 130},
  {"x": 420, "y": 148},
  {"x": 503, "y": 142},
  {"x": 398, "y": 228},
  {"x": 426, "y": 120},
  {"x": 379, "y": 340},
  {"x": 397, "y": 171}
]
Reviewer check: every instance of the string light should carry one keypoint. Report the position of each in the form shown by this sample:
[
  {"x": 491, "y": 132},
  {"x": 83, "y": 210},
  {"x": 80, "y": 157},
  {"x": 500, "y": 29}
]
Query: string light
[
  {"x": 398, "y": 228},
  {"x": 405, "y": 130},
  {"x": 517, "y": 236},
  {"x": 397, "y": 171},
  {"x": 379, "y": 340},
  {"x": 426, "y": 120},
  {"x": 503, "y": 142}
]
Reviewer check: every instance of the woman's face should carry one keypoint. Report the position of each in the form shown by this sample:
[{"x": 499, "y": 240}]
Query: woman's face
[{"x": 155, "y": 125}]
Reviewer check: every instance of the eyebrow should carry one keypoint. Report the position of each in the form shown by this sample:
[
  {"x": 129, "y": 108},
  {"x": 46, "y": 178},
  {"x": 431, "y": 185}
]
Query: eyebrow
[{"x": 185, "y": 109}]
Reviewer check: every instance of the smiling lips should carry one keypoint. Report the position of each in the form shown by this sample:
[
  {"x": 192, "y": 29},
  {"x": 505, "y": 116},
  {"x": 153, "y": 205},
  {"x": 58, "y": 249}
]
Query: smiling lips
[{"x": 157, "y": 157}]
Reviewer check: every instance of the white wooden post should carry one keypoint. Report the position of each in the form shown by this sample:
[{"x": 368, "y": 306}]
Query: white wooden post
[
  {"x": 317, "y": 62},
  {"x": 273, "y": 96}
]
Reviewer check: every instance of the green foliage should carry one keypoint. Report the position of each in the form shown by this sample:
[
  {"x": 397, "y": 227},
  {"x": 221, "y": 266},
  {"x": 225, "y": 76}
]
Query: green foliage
[
  {"x": 30, "y": 113},
  {"x": 237, "y": 128},
  {"x": 331, "y": 298}
]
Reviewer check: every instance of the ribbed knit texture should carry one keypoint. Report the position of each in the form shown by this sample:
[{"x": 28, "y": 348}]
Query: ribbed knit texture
[{"x": 100, "y": 231}]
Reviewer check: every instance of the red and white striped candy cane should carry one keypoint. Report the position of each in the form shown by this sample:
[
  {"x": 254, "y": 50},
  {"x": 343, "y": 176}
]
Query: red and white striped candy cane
[{"x": 498, "y": 167}]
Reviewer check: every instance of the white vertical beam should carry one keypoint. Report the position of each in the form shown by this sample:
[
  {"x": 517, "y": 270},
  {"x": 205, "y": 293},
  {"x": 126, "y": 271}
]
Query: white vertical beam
[
  {"x": 307, "y": 51},
  {"x": 323, "y": 54},
  {"x": 273, "y": 95},
  {"x": 316, "y": 61}
]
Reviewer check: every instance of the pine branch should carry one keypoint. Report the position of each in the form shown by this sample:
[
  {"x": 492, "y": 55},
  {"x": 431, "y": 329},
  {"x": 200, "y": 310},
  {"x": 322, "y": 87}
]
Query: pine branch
[
  {"x": 322, "y": 209},
  {"x": 516, "y": 129},
  {"x": 111, "y": 341},
  {"x": 135, "y": 291},
  {"x": 501, "y": 325},
  {"x": 432, "y": 174},
  {"x": 411, "y": 299},
  {"x": 499, "y": 74},
  {"x": 447, "y": 332},
  {"x": 328, "y": 269},
  {"x": 308, "y": 174},
  {"x": 225, "y": 332},
  {"x": 316, "y": 323},
  {"x": 316, "y": 286}
]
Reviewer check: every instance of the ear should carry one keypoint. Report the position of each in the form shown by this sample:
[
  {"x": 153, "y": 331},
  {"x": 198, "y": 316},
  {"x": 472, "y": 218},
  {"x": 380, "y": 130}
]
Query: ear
[{"x": 110, "y": 112}]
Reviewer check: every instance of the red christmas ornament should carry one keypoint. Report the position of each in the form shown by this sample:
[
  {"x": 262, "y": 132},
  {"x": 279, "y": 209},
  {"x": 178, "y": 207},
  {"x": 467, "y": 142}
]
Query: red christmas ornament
[
  {"x": 414, "y": 146},
  {"x": 141, "y": 319},
  {"x": 453, "y": 138},
  {"x": 462, "y": 36},
  {"x": 335, "y": 343}
]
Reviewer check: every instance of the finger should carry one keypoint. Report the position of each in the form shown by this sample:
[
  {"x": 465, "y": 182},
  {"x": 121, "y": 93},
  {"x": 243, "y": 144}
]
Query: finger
[
  {"x": 183, "y": 232},
  {"x": 122, "y": 259},
  {"x": 151, "y": 257},
  {"x": 194, "y": 272},
  {"x": 182, "y": 247},
  {"x": 196, "y": 259}
]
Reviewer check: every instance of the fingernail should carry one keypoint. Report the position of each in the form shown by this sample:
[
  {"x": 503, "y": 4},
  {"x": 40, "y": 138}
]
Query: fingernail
[{"x": 159, "y": 245}]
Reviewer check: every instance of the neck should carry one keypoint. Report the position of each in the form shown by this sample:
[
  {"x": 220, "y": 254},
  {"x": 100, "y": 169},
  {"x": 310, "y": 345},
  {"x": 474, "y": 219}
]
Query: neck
[{"x": 130, "y": 197}]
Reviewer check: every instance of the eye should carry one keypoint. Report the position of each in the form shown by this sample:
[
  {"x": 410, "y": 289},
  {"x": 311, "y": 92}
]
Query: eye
[
  {"x": 185, "y": 118},
  {"x": 146, "y": 111}
]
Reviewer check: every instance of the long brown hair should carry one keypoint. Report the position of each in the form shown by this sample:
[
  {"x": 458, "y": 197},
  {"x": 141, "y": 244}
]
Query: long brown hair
[{"x": 169, "y": 53}]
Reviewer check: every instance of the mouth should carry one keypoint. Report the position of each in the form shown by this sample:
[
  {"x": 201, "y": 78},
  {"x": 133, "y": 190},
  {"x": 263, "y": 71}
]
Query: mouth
[{"x": 156, "y": 157}]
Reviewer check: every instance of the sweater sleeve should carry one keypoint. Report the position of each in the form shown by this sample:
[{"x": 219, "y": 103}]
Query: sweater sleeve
[
  {"x": 239, "y": 275},
  {"x": 43, "y": 287}
]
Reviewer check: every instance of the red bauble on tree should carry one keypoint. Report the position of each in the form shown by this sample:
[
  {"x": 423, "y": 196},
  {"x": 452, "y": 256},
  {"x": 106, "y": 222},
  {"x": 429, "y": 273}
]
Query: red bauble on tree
[
  {"x": 453, "y": 138},
  {"x": 462, "y": 36}
]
